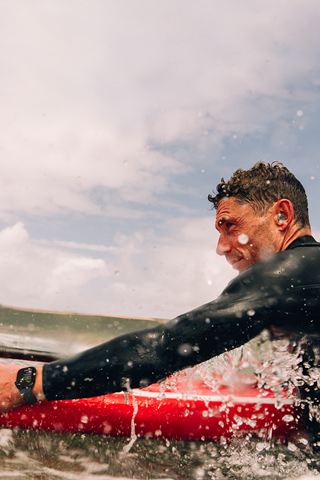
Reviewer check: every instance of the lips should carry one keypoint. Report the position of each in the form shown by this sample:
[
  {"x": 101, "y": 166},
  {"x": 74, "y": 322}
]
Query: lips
[{"x": 233, "y": 261}]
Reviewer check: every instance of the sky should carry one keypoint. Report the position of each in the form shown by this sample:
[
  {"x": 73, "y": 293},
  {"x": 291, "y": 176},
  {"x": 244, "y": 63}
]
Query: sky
[{"x": 118, "y": 118}]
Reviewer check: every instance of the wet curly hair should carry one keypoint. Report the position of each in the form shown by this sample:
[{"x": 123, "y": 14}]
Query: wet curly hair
[{"x": 261, "y": 186}]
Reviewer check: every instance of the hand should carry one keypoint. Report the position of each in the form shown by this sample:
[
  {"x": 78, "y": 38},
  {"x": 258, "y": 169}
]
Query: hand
[{"x": 10, "y": 396}]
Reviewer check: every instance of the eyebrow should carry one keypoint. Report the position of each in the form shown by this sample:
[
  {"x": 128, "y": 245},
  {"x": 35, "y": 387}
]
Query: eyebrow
[{"x": 222, "y": 221}]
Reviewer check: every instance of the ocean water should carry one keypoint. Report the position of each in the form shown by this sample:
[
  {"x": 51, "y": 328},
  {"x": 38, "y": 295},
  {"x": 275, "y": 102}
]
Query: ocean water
[{"x": 49, "y": 456}]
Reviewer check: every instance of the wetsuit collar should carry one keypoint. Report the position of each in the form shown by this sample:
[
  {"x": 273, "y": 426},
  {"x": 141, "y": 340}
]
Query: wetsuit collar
[{"x": 305, "y": 240}]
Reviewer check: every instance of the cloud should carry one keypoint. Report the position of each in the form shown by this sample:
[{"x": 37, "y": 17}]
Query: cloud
[
  {"x": 37, "y": 276},
  {"x": 79, "y": 172},
  {"x": 86, "y": 91},
  {"x": 145, "y": 275},
  {"x": 164, "y": 276},
  {"x": 109, "y": 111}
]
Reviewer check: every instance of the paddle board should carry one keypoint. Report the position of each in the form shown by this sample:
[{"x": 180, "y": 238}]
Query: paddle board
[{"x": 182, "y": 408}]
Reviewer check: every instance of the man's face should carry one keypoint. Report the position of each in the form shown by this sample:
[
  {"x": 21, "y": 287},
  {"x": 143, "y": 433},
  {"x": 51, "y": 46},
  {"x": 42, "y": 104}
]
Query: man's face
[{"x": 245, "y": 237}]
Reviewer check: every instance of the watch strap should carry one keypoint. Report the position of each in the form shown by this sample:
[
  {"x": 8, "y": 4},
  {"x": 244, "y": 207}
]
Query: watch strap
[{"x": 27, "y": 395}]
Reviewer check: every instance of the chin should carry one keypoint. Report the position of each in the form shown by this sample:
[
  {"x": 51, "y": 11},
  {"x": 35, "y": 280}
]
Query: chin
[
  {"x": 241, "y": 266},
  {"x": 238, "y": 267}
]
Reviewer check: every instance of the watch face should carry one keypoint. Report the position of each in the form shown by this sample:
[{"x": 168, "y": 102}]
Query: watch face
[{"x": 26, "y": 377}]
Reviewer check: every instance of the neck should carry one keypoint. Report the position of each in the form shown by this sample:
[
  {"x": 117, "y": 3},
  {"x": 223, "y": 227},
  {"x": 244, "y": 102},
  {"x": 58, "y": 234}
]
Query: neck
[{"x": 292, "y": 235}]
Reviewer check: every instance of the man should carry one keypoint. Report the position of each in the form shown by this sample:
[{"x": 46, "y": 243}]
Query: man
[{"x": 262, "y": 218}]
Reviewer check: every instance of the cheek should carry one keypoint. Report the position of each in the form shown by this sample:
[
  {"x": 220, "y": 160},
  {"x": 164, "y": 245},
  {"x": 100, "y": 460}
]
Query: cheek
[{"x": 243, "y": 239}]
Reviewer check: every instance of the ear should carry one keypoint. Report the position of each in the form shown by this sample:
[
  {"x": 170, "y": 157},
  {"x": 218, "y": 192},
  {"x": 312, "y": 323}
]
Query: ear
[{"x": 284, "y": 214}]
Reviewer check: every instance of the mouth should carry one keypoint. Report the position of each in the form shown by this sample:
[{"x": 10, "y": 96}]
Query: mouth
[{"x": 235, "y": 263}]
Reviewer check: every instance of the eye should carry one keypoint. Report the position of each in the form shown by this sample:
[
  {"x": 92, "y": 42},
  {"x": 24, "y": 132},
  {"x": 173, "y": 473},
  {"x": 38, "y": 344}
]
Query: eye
[{"x": 229, "y": 225}]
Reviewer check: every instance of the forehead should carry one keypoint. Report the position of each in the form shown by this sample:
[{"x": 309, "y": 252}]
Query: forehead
[
  {"x": 230, "y": 208},
  {"x": 230, "y": 205}
]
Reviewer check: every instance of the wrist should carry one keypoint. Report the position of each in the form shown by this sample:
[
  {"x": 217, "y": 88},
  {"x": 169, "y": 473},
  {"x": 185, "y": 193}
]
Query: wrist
[
  {"x": 29, "y": 384},
  {"x": 37, "y": 389}
]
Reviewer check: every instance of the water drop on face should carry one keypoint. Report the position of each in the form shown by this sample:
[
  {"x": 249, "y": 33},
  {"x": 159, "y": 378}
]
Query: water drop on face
[{"x": 243, "y": 238}]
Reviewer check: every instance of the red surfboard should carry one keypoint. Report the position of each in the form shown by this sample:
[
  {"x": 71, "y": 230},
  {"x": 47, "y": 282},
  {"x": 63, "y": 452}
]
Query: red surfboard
[{"x": 183, "y": 408}]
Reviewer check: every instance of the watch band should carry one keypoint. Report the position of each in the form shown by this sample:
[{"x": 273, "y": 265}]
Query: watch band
[
  {"x": 28, "y": 395},
  {"x": 25, "y": 380}
]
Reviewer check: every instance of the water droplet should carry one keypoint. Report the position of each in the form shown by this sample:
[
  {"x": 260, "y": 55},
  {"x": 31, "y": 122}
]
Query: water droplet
[
  {"x": 288, "y": 418},
  {"x": 292, "y": 447},
  {"x": 185, "y": 349},
  {"x": 299, "y": 113},
  {"x": 106, "y": 427},
  {"x": 243, "y": 238},
  {"x": 200, "y": 472}
]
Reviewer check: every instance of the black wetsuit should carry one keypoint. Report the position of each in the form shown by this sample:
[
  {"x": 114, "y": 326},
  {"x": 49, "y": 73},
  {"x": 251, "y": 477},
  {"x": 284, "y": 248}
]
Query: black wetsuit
[{"x": 281, "y": 291}]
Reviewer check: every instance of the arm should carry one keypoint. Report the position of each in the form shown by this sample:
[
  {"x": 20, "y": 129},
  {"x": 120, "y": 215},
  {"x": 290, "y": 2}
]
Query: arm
[
  {"x": 137, "y": 359},
  {"x": 140, "y": 358},
  {"x": 266, "y": 294}
]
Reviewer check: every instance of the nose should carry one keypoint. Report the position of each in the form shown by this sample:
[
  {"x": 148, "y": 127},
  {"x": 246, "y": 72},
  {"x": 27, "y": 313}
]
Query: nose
[{"x": 223, "y": 246}]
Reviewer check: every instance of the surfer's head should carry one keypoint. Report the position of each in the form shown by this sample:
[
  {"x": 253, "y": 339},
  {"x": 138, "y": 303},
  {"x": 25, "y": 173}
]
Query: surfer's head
[
  {"x": 263, "y": 185},
  {"x": 259, "y": 212}
]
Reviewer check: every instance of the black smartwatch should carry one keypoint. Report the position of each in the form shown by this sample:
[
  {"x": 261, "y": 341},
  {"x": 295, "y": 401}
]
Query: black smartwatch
[{"x": 26, "y": 378}]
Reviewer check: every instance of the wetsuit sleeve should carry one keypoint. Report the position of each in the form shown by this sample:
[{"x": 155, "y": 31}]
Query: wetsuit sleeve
[{"x": 140, "y": 358}]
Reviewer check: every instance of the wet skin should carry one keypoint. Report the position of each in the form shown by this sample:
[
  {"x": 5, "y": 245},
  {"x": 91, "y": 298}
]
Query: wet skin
[{"x": 245, "y": 237}]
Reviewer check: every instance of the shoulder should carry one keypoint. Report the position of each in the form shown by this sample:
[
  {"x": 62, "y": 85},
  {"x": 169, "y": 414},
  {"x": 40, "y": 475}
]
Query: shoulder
[{"x": 296, "y": 267}]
